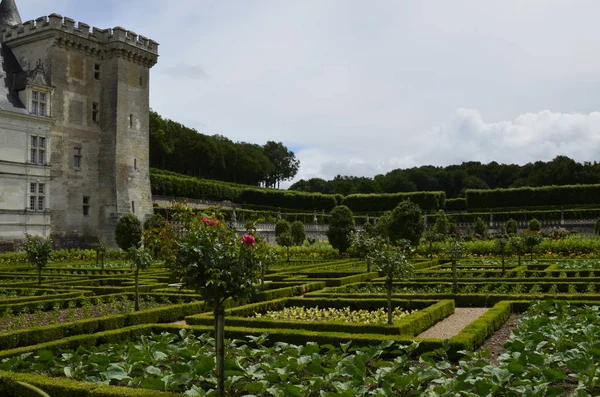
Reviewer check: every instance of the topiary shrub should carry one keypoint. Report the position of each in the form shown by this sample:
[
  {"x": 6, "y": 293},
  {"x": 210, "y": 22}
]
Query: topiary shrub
[
  {"x": 341, "y": 226},
  {"x": 511, "y": 227},
  {"x": 480, "y": 228},
  {"x": 298, "y": 233},
  {"x": 156, "y": 221},
  {"x": 442, "y": 224},
  {"x": 282, "y": 227},
  {"x": 405, "y": 222},
  {"x": 535, "y": 225},
  {"x": 128, "y": 232}
]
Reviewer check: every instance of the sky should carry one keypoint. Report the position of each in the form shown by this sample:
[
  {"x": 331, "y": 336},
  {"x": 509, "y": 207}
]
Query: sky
[{"x": 359, "y": 87}]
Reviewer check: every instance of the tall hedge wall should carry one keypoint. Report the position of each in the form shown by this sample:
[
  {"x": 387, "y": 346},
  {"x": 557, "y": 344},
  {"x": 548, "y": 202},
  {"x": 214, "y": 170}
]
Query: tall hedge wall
[
  {"x": 386, "y": 202},
  {"x": 171, "y": 184},
  {"x": 533, "y": 196}
]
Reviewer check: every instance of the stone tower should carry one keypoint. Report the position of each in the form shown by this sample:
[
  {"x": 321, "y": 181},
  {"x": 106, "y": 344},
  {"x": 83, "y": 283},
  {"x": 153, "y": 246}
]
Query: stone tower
[{"x": 92, "y": 87}]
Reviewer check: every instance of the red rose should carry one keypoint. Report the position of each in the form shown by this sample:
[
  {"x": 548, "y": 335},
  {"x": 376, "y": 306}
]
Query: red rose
[{"x": 249, "y": 240}]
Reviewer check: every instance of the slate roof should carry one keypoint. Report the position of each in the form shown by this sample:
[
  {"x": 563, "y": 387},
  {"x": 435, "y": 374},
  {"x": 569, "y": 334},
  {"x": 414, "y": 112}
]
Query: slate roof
[
  {"x": 9, "y": 14},
  {"x": 11, "y": 73}
]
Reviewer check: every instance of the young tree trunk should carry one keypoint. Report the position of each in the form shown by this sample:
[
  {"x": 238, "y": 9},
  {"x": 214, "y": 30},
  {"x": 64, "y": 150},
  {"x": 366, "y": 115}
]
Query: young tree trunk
[
  {"x": 431, "y": 250},
  {"x": 262, "y": 277},
  {"x": 39, "y": 275},
  {"x": 519, "y": 256},
  {"x": 503, "y": 267},
  {"x": 97, "y": 257},
  {"x": 531, "y": 252},
  {"x": 389, "y": 285},
  {"x": 288, "y": 255},
  {"x": 368, "y": 266},
  {"x": 219, "y": 313},
  {"x": 137, "y": 290},
  {"x": 102, "y": 262},
  {"x": 454, "y": 278}
]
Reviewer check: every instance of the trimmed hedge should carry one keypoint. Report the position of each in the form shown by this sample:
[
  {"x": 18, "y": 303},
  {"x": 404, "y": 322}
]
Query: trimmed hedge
[
  {"x": 456, "y": 204},
  {"x": 568, "y": 195},
  {"x": 474, "y": 334},
  {"x": 374, "y": 203}
]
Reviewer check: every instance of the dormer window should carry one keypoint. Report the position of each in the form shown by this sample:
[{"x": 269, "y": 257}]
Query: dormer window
[{"x": 39, "y": 103}]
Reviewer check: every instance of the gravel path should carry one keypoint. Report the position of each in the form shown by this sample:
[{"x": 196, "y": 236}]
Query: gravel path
[
  {"x": 495, "y": 343},
  {"x": 454, "y": 323}
]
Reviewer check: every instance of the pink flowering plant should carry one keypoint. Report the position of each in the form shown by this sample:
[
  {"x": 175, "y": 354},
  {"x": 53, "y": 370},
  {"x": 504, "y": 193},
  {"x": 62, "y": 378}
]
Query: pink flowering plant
[{"x": 219, "y": 264}]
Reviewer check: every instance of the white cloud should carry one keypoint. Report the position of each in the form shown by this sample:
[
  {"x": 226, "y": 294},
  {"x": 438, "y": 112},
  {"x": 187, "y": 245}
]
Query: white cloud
[{"x": 468, "y": 137}]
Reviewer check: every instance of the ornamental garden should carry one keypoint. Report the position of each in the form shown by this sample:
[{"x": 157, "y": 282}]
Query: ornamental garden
[{"x": 405, "y": 306}]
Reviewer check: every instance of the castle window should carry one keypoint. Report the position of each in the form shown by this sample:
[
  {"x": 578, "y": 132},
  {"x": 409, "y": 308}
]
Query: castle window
[
  {"x": 77, "y": 158},
  {"x": 86, "y": 206},
  {"x": 97, "y": 71},
  {"x": 37, "y": 151},
  {"x": 133, "y": 207},
  {"x": 37, "y": 197},
  {"x": 38, "y": 103},
  {"x": 130, "y": 120},
  {"x": 95, "y": 112},
  {"x": 135, "y": 164}
]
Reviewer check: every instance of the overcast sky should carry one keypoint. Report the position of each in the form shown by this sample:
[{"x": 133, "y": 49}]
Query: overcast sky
[{"x": 361, "y": 87}]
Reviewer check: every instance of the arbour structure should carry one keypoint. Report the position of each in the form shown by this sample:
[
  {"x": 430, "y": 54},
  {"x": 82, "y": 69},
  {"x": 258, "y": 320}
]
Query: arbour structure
[{"x": 74, "y": 111}]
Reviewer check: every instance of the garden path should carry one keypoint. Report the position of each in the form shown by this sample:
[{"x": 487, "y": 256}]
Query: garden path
[{"x": 454, "y": 323}]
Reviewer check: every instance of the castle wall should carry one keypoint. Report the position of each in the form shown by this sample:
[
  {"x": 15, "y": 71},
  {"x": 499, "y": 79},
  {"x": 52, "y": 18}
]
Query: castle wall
[{"x": 114, "y": 171}]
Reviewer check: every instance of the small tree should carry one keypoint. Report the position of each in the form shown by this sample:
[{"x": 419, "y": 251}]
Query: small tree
[
  {"x": 141, "y": 260},
  {"x": 480, "y": 228},
  {"x": 531, "y": 239},
  {"x": 100, "y": 252},
  {"x": 442, "y": 224},
  {"x": 363, "y": 244},
  {"x": 518, "y": 245},
  {"x": 431, "y": 237},
  {"x": 341, "y": 226},
  {"x": 282, "y": 227},
  {"x": 156, "y": 221},
  {"x": 298, "y": 233},
  {"x": 393, "y": 262},
  {"x": 215, "y": 262},
  {"x": 285, "y": 240},
  {"x": 405, "y": 222},
  {"x": 500, "y": 245},
  {"x": 511, "y": 227},
  {"x": 535, "y": 225},
  {"x": 455, "y": 251},
  {"x": 128, "y": 232},
  {"x": 39, "y": 252}
]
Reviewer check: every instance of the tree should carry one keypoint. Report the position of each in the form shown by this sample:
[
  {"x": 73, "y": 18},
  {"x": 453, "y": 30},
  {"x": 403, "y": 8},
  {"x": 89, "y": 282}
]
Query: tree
[
  {"x": 531, "y": 239},
  {"x": 405, "y": 222},
  {"x": 128, "y": 232},
  {"x": 500, "y": 245},
  {"x": 431, "y": 237},
  {"x": 298, "y": 233},
  {"x": 100, "y": 252},
  {"x": 285, "y": 240},
  {"x": 511, "y": 227},
  {"x": 341, "y": 227},
  {"x": 518, "y": 245},
  {"x": 282, "y": 227},
  {"x": 39, "y": 252},
  {"x": 455, "y": 251},
  {"x": 535, "y": 225},
  {"x": 141, "y": 260},
  {"x": 393, "y": 262},
  {"x": 285, "y": 164},
  {"x": 215, "y": 262},
  {"x": 441, "y": 227},
  {"x": 480, "y": 228},
  {"x": 363, "y": 244}
]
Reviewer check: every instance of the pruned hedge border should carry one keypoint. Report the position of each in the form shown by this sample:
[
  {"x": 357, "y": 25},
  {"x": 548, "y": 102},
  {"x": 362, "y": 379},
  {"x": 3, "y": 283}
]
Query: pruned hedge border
[{"x": 429, "y": 312}]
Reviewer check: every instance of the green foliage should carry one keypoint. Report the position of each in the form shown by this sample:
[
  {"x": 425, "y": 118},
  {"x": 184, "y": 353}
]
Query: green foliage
[
  {"x": 346, "y": 315},
  {"x": 405, "y": 222},
  {"x": 456, "y": 204},
  {"x": 535, "y": 225},
  {"x": 480, "y": 228},
  {"x": 385, "y": 202},
  {"x": 39, "y": 252},
  {"x": 341, "y": 227},
  {"x": 282, "y": 227},
  {"x": 441, "y": 227},
  {"x": 298, "y": 232},
  {"x": 128, "y": 232},
  {"x": 531, "y": 239},
  {"x": 511, "y": 227},
  {"x": 597, "y": 227},
  {"x": 156, "y": 221},
  {"x": 392, "y": 262}
]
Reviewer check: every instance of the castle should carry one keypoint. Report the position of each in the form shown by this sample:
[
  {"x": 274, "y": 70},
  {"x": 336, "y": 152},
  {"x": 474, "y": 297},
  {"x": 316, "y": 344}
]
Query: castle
[{"x": 74, "y": 115}]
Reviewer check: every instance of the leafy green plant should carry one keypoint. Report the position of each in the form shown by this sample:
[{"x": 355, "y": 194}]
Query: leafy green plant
[
  {"x": 285, "y": 240},
  {"x": 346, "y": 315},
  {"x": 518, "y": 245},
  {"x": 39, "y": 252},
  {"x": 282, "y": 227},
  {"x": 141, "y": 259},
  {"x": 511, "y": 227},
  {"x": 455, "y": 251},
  {"x": 128, "y": 232},
  {"x": 100, "y": 250},
  {"x": 341, "y": 227},
  {"x": 405, "y": 222},
  {"x": 298, "y": 232}
]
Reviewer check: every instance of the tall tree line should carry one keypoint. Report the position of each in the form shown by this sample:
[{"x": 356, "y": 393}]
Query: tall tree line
[
  {"x": 455, "y": 179},
  {"x": 175, "y": 147}
]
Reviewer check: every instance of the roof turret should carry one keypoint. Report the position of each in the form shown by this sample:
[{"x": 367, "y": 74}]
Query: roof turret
[{"x": 9, "y": 14}]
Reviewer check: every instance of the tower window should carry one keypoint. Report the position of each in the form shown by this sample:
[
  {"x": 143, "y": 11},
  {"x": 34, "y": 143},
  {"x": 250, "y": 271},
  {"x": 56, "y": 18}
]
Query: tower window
[
  {"x": 37, "y": 151},
  {"x": 86, "y": 206},
  {"x": 37, "y": 196},
  {"x": 133, "y": 207},
  {"x": 131, "y": 120},
  {"x": 77, "y": 158},
  {"x": 97, "y": 71},
  {"x": 135, "y": 164},
  {"x": 38, "y": 103},
  {"x": 95, "y": 112}
]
